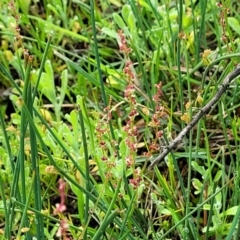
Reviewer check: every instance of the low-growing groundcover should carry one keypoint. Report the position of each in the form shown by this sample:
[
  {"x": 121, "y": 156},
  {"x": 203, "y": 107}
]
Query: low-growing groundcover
[{"x": 92, "y": 92}]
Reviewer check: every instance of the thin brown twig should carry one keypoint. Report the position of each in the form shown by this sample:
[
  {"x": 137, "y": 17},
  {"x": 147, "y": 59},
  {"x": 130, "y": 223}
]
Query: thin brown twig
[{"x": 222, "y": 88}]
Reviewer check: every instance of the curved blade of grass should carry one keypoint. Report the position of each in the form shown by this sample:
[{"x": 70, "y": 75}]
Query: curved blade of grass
[
  {"x": 203, "y": 8},
  {"x": 44, "y": 58},
  {"x": 21, "y": 155},
  {"x": 44, "y": 216},
  {"x": 139, "y": 19},
  {"x": 6, "y": 138},
  {"x": 87, "y": 170},
  {"x": 235, "y": 222},
  {"x": 86, "y": 75},
  {"x": 35, "y": 170},
  {"x": 210, "y": 212},
  {"x": 180, "y": 10},
  {"x": 229, "y": 56},
  {"x": 7, "y": 230},
  {"x": 95, "y": 46},
  {"x": 24, "y": 213},
  {"x": 8, "y": 227},
  {"x": 168, "y": 192},
  {"x": 109, "y": 216},
  {"x": 60, "y": 29},
  {"x": 8, "y": 75},
  {"x": 14, "y": 194},
  {"x": 129, "y": 210},
  {"x": 189, "y": 149},
  {"x": 104, "y": 225}
]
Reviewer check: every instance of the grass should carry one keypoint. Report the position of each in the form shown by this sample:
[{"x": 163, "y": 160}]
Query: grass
[{"x": 90, "y": 94}]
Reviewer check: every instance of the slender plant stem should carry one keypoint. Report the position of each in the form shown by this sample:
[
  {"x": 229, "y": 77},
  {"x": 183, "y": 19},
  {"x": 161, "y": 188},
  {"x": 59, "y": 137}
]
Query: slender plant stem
[
  {"x": 21, "y": 157},
  {"x": 87, "y": 170},
  {"x": 188, "y": 189},
  {"x": 180, "y": 12}
]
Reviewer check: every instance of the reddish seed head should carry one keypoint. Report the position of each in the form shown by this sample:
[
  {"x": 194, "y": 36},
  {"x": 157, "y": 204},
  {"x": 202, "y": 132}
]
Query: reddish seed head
[{"x": 104, "y": 158}]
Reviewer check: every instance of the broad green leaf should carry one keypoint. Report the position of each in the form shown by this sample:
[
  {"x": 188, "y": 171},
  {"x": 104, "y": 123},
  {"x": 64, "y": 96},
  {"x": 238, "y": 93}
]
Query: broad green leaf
[
  {"x": 197, "y": 185},
  {"x": 64, "y": 86},
  {"x": 73, "y": 118},
  {"x": 126, "y": 11},
  {"x": 187, "y": 21},
  {"x": 110, "y": 32},
  {"x": 132, "y": 25},
  {"x": 218, "y": 176},
  {"x": 234, "y": 24},
  {"x": 199, "y": 169},
  {"x": 47, "y": 84},
  {"x": 230, "y": 212},
  {"x": 24, "y": 5},
  {"x": 119, "y": 21},
  {"x": 145, "y": 5}
]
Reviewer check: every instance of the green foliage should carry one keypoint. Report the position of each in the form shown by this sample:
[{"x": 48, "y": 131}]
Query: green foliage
[{"x": 97, "y": 89}]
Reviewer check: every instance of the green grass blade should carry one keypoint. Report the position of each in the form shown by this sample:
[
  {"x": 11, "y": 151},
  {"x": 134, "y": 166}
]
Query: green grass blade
[
  {"x": 7, "y": 230},
  {"x": 24, "y": 213},
  {"x": 235, "y": 222},
  {"x": 87, "y": 170},
  {"x": 110, "y": 215},
  {"x": 44, "y": 58},
  {"x": 21, "y": 156}
]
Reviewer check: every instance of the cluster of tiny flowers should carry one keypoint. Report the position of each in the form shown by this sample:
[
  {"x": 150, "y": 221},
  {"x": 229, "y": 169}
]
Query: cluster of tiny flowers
[
  {"x": 123, "y": 47},
  {"x": 155, "y": 123},
  {"x": 182, "y": 35},
  {"x": 102, "y": 127},
  {"x": 136, "y": 180},
  {"x": 224, "y": 12},
  {"x": 102, "y": 132},
  {"x": 17, "y": 17},
  {"x": 18, "y": 37},
  {"x": 159, "y": 109},
  {"x": 60, "y": 208},
  {"x": 130, "y": 97},
  {"x": 130, "y": 128},
  {"x": 205, "y": 56}
]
